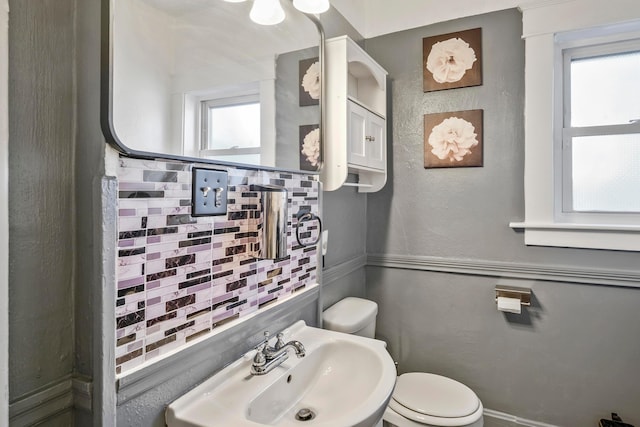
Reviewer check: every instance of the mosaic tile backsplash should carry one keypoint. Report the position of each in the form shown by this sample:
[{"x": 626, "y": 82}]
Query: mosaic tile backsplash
[{"x": 179, "y": 277}]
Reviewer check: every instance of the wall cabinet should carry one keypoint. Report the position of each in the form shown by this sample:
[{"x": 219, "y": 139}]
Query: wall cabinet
[
  {"x": 355, "y": 119},
  {"x": 366, "y": 145}
]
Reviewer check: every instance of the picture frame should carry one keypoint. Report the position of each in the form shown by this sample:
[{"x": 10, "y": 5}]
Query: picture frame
[
  {"x": 453, "y": 139},
  {"x": 309, "y": 81},
  {"x": 309, "y": 147},
  {"x": 452, "y": 60}
]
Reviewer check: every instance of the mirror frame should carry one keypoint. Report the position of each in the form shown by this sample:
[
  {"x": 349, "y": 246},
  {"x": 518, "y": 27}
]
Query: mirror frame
[{"x": 106, "y": 103}]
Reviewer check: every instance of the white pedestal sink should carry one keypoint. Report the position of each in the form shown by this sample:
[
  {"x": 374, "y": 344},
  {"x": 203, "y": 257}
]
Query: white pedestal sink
[{"x": 343, "y": 381}]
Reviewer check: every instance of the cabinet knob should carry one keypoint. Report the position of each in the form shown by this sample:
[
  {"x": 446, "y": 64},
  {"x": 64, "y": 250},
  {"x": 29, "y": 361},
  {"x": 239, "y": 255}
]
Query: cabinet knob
[{"x": 370, "y": 138}]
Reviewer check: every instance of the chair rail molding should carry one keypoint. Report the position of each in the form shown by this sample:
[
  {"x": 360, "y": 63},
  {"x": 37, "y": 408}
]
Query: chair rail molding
[{"x": 566, "y": 274}]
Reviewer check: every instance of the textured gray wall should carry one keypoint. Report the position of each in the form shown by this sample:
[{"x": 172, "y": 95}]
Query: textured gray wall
[
  {"x": 344, "y": 216},
  {"x": 41, "y": 209},
  {"x": 573, "y": 358},
  {"x": 461, "y": 212},
  {"x": 289, "y": 114}
]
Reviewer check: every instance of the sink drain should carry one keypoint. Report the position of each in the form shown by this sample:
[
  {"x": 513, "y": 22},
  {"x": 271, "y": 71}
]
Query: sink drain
[{"x": 305, "y": 414}]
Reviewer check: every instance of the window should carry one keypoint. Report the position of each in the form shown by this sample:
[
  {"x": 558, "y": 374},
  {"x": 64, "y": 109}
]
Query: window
[
  {"x": 600, "y": 137},
  {"x": 231, "y": 129},
  {"x": 582, "y": 137}
]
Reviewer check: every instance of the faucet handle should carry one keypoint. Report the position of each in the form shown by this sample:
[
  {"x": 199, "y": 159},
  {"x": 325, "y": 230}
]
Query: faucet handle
[
  {"x": 280, "y": 341},
  {"x": 259, "y": 359}
]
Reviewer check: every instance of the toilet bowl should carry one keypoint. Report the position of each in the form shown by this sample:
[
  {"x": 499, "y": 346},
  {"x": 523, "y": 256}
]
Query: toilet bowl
[{"x": 419, "y": 399}]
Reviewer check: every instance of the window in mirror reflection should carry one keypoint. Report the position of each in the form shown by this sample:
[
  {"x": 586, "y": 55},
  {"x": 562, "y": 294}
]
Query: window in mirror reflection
[{"x": 231, "y": 129}]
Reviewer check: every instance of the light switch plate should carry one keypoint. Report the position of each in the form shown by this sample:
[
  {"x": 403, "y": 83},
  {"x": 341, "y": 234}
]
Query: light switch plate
[{"x": 208, "y": 192}]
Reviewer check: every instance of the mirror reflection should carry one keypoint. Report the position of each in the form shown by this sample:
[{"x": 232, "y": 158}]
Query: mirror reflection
[{"x": 200, "y": 79}]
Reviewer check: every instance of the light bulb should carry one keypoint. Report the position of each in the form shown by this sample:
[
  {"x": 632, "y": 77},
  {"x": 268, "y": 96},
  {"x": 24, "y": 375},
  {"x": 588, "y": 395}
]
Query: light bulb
[
  {"x": 266, "y": 12},
  {"x": 311, "y": 6}
]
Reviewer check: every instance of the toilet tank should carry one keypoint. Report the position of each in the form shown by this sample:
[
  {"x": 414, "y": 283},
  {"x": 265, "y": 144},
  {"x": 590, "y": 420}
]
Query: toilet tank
[{"x": 352, "y": 315}]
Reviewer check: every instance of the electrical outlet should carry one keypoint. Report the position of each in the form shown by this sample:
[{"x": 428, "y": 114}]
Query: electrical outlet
[{"x": 208, "y": 192}]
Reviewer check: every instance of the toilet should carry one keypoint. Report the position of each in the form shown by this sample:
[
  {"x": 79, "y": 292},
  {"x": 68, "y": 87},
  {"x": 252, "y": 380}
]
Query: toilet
[{"x": 419, "y": 399}]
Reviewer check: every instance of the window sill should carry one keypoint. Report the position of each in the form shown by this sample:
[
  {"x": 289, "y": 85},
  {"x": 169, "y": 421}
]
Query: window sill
[{"x": 591, "y": 236}]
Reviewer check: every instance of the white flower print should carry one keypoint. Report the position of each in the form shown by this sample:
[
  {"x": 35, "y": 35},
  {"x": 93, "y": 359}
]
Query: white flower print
[
  {"x": 311, "y": 80},
  {"x": 311, "y": 147},
  {"x": 452, "y": 139},
  {"x": 450, "y": 59}
]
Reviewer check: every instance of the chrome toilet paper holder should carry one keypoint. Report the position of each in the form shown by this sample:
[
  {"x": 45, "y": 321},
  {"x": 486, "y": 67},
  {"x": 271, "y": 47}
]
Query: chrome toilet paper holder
[{"x": 523, "y": 294}]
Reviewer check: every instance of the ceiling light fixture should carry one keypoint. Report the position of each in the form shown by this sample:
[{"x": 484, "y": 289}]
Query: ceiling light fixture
[
  {"x": 311, "y": 6},
  {"x": 267, "y": 12}
]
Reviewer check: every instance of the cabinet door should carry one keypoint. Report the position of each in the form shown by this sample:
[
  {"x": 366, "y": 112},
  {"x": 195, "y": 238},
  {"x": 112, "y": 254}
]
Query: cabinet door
[
  {"x": 356, "y": 145},
  {"x": 375, "y": 135}
]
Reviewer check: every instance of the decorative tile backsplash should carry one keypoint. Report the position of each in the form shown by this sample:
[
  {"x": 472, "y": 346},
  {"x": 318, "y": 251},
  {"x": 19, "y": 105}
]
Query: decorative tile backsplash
[{"x": 179, "y": 277}]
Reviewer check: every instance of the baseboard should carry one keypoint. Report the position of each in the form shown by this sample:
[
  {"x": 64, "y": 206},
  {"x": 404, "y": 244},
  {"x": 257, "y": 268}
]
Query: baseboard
[
  {"x": 516, "y": 421},
  {"x": 51, "y": 400}
]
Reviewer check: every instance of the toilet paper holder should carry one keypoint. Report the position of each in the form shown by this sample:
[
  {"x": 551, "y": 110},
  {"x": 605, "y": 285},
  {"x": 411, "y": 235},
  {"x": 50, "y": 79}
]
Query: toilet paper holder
[{"x": 523, "y": 294}]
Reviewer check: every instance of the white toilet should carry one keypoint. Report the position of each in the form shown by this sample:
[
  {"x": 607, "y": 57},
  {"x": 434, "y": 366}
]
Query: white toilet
[{"x": 419, "y": 399}]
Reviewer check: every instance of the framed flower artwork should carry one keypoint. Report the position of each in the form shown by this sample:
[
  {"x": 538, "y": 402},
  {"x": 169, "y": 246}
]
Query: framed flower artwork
[
  {"x": 452, "y": 60},
  {"x": 309, "y": 87},
  {"x": 309, "y": 147},
  {"x": 453, "y": 139}
]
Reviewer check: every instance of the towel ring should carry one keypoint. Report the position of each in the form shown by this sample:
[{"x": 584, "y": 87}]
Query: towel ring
[{"x": 305, "y": 216}]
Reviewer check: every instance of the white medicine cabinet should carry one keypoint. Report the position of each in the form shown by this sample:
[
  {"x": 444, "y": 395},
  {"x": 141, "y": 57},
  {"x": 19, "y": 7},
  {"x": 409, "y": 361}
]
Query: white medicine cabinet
[{"x": 356, "y": 129}]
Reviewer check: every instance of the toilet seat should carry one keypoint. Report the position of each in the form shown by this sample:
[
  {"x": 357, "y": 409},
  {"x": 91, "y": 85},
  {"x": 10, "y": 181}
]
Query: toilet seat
[{"x": 435, "y": 400}]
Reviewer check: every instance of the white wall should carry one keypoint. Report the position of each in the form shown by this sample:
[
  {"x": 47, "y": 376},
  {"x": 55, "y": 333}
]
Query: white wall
[
  {"x": 377, "y": 17},
  {"x": 143, "y": 64}
]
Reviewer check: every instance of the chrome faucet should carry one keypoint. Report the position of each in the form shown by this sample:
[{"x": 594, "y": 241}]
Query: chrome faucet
[{"x": 267, "y": 357}]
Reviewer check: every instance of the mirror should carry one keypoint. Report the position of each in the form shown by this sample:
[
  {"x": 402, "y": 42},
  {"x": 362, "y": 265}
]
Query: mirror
[{"x": 198, "y": 80}]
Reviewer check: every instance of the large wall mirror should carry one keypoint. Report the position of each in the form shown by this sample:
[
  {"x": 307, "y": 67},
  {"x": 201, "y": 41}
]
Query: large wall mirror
[{"x": 199, "y": 80}]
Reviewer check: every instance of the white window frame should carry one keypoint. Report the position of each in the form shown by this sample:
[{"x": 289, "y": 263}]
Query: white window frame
[
  {"x": 579, "y": 49},
  {"x": 190, "y": 103},
  {"x": 548, "y": 28},
  {"x": 205, "y": 105}
]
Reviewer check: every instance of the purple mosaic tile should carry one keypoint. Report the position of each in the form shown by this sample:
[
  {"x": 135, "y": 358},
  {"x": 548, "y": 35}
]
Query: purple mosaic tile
[{"x": 181, "y": 278}]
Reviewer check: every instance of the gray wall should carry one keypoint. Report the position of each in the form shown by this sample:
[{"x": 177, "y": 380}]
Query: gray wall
[
  {"x": 289, "y": 114},
  {"x": 344, "y": 213},
  {"x": 439, "y": 242},
  {"x": 41, "y": 197}
]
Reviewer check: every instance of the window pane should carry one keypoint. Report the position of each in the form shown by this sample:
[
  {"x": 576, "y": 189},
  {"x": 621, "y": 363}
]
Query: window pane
[
  {"x": 605, "y": 90},
  {"x": 234, "y": 126},
  {"x": 606, "y": 173}
]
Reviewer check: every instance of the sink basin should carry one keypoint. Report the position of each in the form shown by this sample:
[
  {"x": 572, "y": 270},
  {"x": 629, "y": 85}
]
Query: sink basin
[{"x": 344, "y": 380}]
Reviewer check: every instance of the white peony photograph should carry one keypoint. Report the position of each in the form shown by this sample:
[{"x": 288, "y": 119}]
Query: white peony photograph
[
  {"x": 452, "y": 60},
  {"x": 309, "y": 81},
  {"x": 310, "y": 147},
  {"x": 453, "y": 139}
]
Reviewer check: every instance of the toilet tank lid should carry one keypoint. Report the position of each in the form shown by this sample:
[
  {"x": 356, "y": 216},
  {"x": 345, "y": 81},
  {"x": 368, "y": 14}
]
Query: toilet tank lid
[{"x": 350, "y": 315}]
